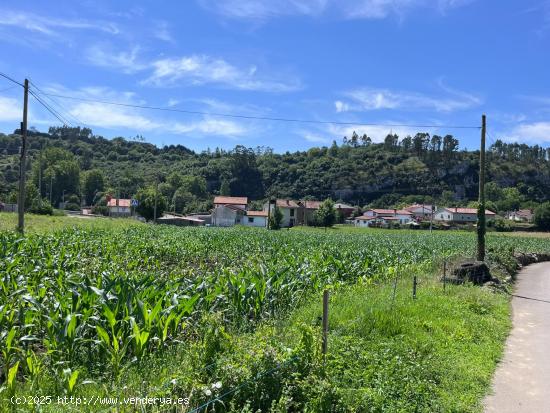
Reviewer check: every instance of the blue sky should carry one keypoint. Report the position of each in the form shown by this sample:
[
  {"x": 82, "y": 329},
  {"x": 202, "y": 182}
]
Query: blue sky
[{"x": 437, "y": 62}]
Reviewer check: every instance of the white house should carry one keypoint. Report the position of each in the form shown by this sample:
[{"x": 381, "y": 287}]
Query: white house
[
  {"x": 255, "y": 219},
  {"x": 379, "y": 222},
  {"x": 421, "y": 212},
  {"x": 229, "y": 211},
  {"x": 119, "y": 207},
  {"x": 460, "y": 215},
  {"x": 396, "y": 215}
]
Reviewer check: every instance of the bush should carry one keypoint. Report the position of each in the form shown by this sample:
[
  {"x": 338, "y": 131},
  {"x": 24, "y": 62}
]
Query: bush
[
  {"x": 275, "y": 219},
  {"x": 43, "y": 208},
  {"x": 71, "y": 206},
  {"x": 501, "y": 225},
  {"x": 100, "y": 210},
  {"x": 542, "y": 216}
]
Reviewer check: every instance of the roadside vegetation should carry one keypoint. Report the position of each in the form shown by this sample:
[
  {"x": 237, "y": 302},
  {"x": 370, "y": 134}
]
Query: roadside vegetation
[{"x": 197, "y": 312}]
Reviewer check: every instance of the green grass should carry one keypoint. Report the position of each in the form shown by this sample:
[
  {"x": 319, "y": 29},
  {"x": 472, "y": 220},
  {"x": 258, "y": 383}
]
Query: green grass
[
  {"x": 201, "y": 311},
  {"x": 44, "y": 223}
]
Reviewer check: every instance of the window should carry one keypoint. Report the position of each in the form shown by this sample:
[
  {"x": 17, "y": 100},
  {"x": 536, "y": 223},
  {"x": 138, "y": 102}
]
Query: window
[
  {"x": 291, "y": 212},
  {"x": 250, "y": 219}
]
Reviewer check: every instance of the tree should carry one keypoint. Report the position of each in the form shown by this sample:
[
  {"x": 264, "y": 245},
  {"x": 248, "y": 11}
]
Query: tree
[
  {"x": 182, "y": 199},
  {"x": 93, "y": 182},
  {"x": 542, "y": 216},
  {"x": 275, "y": 218},
  {"x": 146, "y": 203},
  {"x": 225, "y": 188},
  {"x": 326, "y": 215}
]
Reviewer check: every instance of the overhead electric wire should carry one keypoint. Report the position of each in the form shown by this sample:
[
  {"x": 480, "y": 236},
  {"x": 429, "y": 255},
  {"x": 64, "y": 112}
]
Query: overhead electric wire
[
  {"x": 49, "y": 109},
  {"x": 11, "y": 79},
  {"x": 59, "y": 107},
  {"x": 277, "y": 119}
]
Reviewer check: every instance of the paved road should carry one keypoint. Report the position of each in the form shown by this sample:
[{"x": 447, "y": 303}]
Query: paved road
[{"x": 522, "y": 380}]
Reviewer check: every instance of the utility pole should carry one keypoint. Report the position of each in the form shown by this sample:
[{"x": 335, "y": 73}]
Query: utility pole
[
  {"x": 23, "y": 162},
  {"x": 481, "y": 208},
  {"x": 40, "y": 177},
  {"x": 156, "y": 194}
]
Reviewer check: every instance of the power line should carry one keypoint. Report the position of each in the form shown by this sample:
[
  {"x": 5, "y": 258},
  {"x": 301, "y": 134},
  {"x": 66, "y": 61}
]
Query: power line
[
  {"x": 277, "y": 119},
  {"x": 11, "y": 80},
  {"x": 60, "y": 108},
  {"x": 49, "y": 109}
]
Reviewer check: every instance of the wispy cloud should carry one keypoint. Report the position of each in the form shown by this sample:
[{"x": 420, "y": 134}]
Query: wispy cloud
[
  {"x": 10, "y": 109},
  {"x": 203, "y": 69},
  {"x": 162, "y": 32},
  {"x": 537, "y": 132},
  {"x": 368, "y": 99},
  {"x": 348, "y": 9},
  {"x": 104, "y": 56},
  {"x": 48, "y": 25},
  {"x": 118, "y": 117}
]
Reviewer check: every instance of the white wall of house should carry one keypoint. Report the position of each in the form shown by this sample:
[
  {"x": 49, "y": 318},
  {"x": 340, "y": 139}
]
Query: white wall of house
[
  {"x": 255, "y": 221},
  {"x": 451, "y": 216},
  {"x": 226, "y": 217},
  {"x": 119, "y": 210},
  {"x": 290, "y": 216}
]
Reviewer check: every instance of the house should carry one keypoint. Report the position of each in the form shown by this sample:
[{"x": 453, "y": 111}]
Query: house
[
  {"x": 421, "y": 212},
  {"x": 460, "y": 215},
  {"x": 255, "y": 219},
  {"x": 119, "y": 207},
  {"x": 400, "y": 216},
  {"x": 295, "y": 212},
  {"x": 378, "y": 222},
  {"x": 522, "y": 215},
  {"x": 345, "y": 210},
  {"x": 229, "y": 210}
]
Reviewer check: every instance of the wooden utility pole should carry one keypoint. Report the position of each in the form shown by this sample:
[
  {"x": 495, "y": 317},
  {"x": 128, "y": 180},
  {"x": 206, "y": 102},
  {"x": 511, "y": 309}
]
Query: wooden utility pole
[
  {"x": 23, "y": 162},
  {"x": 40, "y": 177},
  {"x": 156, "y": 195},
  {"x": 481, "y": 208}
]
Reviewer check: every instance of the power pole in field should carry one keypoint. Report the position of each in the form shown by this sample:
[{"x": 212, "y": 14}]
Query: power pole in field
[
  {"x": 156, "y": 195},
  {"x": 23, "y": 162},
  {"x": 481, "y": 208},
  {"x": 40, "y": 177}
]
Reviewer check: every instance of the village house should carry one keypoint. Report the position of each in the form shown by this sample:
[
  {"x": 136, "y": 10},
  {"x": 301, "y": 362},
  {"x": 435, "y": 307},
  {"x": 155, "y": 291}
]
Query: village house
[
  {"x": 522, "y": 215},
  {"x": 460, "y": 215},
  {"x": 180, "y": 220},
  {"x": 229, "y": 211},
  {"x": 119, "y": 207},
  {"x": 255, "y": 219},
  {"x": 344, "y": 209},
  {"x": 295, "y": 212},
  {"x": 421, "y": 212},
  {"x": 400, "y": 216}
]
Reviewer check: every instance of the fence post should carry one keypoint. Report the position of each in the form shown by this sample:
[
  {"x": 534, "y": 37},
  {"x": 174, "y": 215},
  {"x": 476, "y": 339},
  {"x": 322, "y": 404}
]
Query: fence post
[
  {"x": 325, "y": 323},
  {"x": 414, "y": 287},
  {"x": 444, "y": 275}
]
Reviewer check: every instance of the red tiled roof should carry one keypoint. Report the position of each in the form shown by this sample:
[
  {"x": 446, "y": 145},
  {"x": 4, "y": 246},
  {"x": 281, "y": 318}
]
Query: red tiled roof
[
  {"x": 121, "y": 202},
  {"x": 468, "y": 211},
  {"x": 256, "y": 213},
  {"x": 312, "y": 204},
  {"x": 390, "y": 211},
  {"x": 231, "y": 200},
  {"x": 287, "y": 203}
]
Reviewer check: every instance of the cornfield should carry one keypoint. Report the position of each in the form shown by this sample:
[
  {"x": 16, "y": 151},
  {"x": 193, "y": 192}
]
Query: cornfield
[{"x": 84, "y": 304}]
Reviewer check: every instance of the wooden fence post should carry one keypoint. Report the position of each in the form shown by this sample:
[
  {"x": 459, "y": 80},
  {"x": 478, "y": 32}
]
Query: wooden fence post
[
  {"x": 444, "y": 275},
  {"x": 414, "y": 287}
]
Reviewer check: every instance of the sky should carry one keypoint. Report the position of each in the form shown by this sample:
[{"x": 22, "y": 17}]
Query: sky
[{"x": 441, "y": 63}]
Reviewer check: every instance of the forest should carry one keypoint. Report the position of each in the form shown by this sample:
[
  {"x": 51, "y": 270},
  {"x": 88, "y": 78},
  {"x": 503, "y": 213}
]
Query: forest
[{"x": 76, "y": 166}]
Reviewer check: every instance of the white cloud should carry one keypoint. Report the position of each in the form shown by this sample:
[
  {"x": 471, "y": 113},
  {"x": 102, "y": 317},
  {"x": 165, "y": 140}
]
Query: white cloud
[
  {"x": 538, "y": 132},
  {"x": 162, "y": 32},
  {"x": 49, "y": 25},
  {"x": 102, "y": 56},
  {"x": 316, "y": 138},
  {"x": 10, "y": 109},
  {"x": 367, "y": 99},
  {"x": 202, "y": 69},
  {"x": 350, "y": 9}
]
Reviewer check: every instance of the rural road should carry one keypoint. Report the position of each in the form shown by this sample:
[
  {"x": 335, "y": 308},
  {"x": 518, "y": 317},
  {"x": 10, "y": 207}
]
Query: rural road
[{"x": 522, "y": 379}]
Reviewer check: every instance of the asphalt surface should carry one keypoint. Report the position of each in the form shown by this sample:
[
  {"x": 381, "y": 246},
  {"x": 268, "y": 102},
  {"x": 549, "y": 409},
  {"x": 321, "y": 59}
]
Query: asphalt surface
[{"x": 522, "y": 379}]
